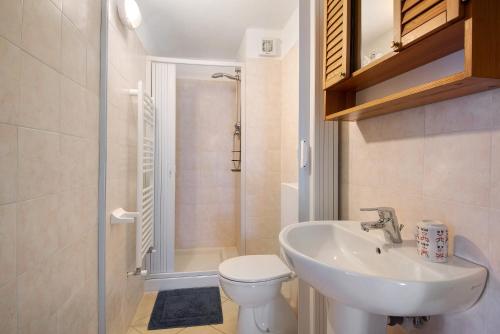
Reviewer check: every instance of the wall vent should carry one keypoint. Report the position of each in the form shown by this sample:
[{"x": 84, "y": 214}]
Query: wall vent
[{"x": 269, "y": 47}]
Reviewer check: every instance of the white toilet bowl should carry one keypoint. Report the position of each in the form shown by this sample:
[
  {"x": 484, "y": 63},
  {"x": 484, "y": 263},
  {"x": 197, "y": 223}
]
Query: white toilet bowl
[{"x": 254, "y": 283}]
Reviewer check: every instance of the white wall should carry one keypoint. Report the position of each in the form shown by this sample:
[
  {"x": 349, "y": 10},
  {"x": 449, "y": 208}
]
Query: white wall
[
  {"x": 251, "y": 41},
  {"x": 379, "y": 45},
  {"x": 290, "y": 33},
  {"x": 288, "y": 37},
  {"x": 437, "y": 69}
]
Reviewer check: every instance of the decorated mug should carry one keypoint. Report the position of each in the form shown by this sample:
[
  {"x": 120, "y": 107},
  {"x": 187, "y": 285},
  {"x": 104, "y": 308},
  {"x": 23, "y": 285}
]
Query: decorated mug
[{"x": 432, "y": 240}]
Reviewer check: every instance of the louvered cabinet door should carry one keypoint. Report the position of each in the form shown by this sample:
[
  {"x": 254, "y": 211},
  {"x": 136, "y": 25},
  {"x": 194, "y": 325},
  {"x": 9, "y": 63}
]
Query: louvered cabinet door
[
  {"x": 417, "y": 18},
  {"x": 336, "y": 41}
]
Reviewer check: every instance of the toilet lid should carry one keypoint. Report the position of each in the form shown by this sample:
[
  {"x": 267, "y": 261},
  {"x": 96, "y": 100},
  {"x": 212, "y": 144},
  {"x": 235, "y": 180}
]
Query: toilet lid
[{"x": 254, "y": 268}]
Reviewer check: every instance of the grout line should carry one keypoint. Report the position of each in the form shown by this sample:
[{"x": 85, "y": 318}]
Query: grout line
[
  {"x": 217, "y": 329},
  {"x": 22, "y": 48},
  {"x": 52, "y": 132},
  {"x": 136, "y": 329}
]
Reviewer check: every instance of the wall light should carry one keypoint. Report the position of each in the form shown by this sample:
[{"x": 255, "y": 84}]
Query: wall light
[{"x": 130, "y": 14}]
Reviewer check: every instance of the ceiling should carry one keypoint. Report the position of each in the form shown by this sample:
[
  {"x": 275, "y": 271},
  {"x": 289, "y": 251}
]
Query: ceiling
[{"x": 206, "y": 29}]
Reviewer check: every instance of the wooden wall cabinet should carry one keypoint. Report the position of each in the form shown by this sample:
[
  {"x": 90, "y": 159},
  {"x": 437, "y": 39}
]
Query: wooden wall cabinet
[
  {"x": 425, "y": 30},
  {"x": 414, "y": 19},
  {"x": 337, "y": 41}
]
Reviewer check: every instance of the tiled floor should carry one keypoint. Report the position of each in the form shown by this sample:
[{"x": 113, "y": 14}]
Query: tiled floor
[{"x": 140, "y": 322}]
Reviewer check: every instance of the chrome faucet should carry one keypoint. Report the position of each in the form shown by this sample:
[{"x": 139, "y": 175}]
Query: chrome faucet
[{"x": 388, "y": 222}]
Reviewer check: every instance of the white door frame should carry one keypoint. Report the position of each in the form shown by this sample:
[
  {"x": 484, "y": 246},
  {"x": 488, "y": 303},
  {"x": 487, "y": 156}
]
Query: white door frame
[
  {"x": 305, "y": 319},
  {"x": 166, "y": 268},
  {"x": 318, "y": 195}
]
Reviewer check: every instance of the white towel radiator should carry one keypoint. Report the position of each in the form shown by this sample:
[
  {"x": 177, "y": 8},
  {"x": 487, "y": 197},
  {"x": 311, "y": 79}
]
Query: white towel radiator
[
  {"x": 143, "y": 218},
  {"x": 145, "y": 173}
]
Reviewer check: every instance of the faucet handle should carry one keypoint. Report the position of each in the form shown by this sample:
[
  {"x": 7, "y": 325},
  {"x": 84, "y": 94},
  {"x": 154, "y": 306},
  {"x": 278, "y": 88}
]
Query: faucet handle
[
  {"x": 383, "y": 212},
  {"x": 369, "y": 209}
]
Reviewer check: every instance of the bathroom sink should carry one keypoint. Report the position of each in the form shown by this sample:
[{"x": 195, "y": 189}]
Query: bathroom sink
[{"x": 362, "y": 272}]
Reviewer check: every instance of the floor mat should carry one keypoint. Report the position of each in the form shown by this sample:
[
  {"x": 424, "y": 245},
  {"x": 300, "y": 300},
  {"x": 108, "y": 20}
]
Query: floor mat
[{"x": 186, "y": 307}]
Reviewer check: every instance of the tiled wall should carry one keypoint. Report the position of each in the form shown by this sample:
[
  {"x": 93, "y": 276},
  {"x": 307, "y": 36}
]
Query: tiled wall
[
  {"x": 271, "y": 145},
  {"x": 263, "y": 155},
  {"x": 49, "y": 86},
  {"x": 207, "y": 204},
  {"x": 126, "y": 66},
  {"x": 440, "y": 161},
  {"x": 290, "y": 115}
]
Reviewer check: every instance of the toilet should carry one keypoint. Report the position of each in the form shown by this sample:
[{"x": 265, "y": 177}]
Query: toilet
[{"x": 254, "y": 283}]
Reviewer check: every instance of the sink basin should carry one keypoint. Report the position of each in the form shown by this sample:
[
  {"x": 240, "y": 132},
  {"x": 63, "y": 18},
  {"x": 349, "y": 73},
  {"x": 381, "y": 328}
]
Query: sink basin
[{"x": 362, "y": 272}]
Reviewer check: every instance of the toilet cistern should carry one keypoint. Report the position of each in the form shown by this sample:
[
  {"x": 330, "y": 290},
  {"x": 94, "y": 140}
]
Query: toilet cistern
[{"x": 388, "y": 222}]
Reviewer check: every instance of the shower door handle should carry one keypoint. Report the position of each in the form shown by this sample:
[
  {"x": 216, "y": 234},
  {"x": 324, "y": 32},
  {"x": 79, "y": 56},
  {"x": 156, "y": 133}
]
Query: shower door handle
[
  {"x": 304, "y": 153},
  {"x": 171, "y": 173}
]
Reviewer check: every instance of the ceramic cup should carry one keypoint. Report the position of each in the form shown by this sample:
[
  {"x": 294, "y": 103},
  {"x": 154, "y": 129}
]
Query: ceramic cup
[{"x": 432, "y": 240}]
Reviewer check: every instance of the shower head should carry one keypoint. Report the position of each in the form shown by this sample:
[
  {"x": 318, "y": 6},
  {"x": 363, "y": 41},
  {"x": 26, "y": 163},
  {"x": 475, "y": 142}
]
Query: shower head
[
  {"x": 225, "y": 75},
  {"x": 217, "y": 75}
]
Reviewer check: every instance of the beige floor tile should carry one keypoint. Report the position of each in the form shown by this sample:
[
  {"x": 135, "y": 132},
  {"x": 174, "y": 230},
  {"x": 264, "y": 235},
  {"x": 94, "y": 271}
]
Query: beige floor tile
[
  {"x": 230, "y": 312},
  {"x": 223, "y": 296},
  {"x": 131, "y": 330},
  {"x": 143, "y": 329},
  {"x": 144, "y": 309},
  {"x": 200, "y": 330}
]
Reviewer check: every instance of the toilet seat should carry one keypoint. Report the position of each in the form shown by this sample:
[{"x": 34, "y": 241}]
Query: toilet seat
[
  {"x": 254, "y": 269},
  {"x": 278, "y": 281}
]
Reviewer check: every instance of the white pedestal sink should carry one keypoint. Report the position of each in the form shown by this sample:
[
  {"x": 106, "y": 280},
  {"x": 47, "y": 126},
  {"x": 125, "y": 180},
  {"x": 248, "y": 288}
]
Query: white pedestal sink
[{"x": 366, "y": 279}]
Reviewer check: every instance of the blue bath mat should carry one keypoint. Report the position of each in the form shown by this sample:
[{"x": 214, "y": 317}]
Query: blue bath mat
[{"x": 185, "y": 308}]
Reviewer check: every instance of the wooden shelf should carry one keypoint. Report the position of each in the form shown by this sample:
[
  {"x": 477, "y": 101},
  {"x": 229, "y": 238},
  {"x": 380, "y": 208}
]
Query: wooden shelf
[{"x": 450, "y": 87}]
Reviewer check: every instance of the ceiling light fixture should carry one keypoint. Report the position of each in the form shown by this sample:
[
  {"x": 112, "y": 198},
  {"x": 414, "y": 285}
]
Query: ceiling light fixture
[{"x": 130, "y": 14}]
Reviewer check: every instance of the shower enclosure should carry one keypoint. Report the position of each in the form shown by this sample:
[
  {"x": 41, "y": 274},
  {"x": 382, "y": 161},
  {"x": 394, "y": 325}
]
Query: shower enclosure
[{"x": 199, "y": 163}]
